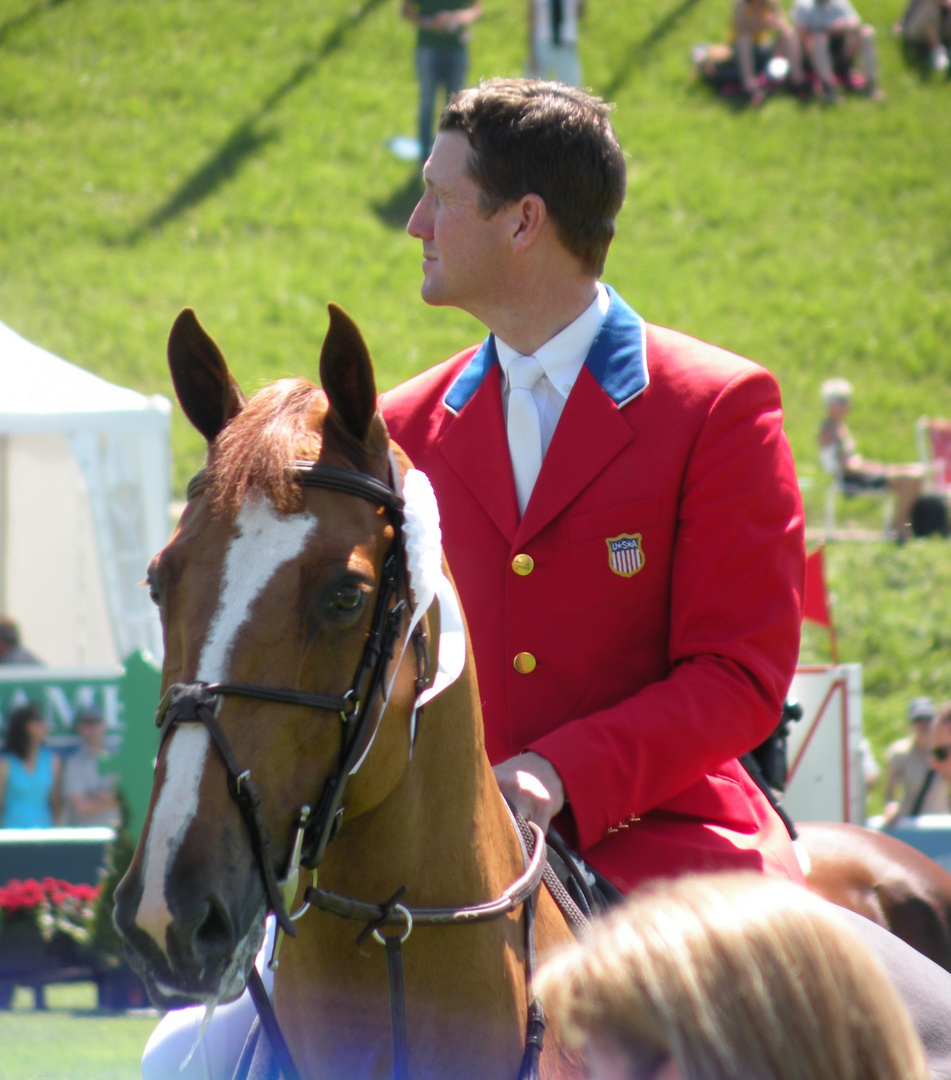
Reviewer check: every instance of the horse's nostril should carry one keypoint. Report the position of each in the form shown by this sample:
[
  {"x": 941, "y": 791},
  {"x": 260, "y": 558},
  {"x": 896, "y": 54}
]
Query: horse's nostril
[{"x": 214, "y": 933}]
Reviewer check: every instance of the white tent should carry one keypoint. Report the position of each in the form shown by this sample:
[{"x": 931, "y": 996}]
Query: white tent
[{"x": 84, "y": 498}]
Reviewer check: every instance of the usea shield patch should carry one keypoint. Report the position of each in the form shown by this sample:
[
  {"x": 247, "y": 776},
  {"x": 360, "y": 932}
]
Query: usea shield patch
[{"x": 625, "y": 554}]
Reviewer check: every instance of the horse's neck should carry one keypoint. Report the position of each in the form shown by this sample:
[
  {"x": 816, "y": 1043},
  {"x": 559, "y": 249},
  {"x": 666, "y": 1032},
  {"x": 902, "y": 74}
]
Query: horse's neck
[
  {"x": 445, "y": 834},
  {"x": 444, "y": 831}
]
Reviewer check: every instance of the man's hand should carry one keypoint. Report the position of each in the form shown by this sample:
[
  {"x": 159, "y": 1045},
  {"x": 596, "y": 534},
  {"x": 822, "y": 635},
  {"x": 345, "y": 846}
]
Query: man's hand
[{"x": 532, "y": 785}]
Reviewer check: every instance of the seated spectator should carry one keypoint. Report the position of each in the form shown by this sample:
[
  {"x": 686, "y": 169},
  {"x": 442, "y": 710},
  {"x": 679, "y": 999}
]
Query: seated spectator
[
  {"x": 840, "y": 458},
  {"x": 831, "y": 34},
  {"x": 759, "y": 34},
  {"x": 911, "y": 786},
  {"x": 29, "y": 773},
  {"x": 730, "y": 977},
  {"x": 926, "y": 25},
  {"x": 939, "y": 751},
  {"x": 88, "y": 793},
  {"x": 11, "y": 651}
]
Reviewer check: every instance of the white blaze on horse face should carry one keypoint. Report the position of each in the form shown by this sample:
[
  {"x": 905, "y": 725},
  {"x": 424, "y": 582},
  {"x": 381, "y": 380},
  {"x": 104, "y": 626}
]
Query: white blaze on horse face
[{"x": 264, "y": 542}]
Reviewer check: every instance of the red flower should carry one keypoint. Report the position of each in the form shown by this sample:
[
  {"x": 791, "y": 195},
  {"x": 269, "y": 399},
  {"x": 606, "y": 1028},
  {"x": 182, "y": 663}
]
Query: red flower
[{"x": 48, "y": 897}]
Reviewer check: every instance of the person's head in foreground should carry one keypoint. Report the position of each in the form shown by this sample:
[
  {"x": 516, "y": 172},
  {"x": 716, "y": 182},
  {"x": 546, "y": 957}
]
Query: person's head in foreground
[{"x": 729, "y": 977}]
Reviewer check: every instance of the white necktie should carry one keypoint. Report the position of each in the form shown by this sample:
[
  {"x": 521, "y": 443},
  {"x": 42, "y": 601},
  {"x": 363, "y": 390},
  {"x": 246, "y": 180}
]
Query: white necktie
[{"x": 524, "y": 430}]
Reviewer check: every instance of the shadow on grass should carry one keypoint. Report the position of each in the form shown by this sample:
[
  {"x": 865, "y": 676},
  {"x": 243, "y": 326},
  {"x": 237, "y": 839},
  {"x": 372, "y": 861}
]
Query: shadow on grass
[
  {"x": 738, "y": 102},
  {"x": 246, "y": 139},
  {"x": 21, "y": 20},
  {"x": 640, "y": 52},
  {"x": 395, "y": 212}
]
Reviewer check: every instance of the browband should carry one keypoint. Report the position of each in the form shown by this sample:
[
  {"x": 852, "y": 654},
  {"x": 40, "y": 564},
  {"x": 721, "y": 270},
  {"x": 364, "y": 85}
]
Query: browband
[{"x": 314, "y": 474}]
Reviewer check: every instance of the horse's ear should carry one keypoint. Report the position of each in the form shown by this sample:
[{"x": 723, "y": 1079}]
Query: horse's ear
[
  {"x": 203, "y": 384},
  {"x": 346, "y": 373}
]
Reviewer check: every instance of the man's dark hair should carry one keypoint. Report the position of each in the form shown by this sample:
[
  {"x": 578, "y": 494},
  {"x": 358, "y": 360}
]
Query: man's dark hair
[{"x": 547, "y": 139}]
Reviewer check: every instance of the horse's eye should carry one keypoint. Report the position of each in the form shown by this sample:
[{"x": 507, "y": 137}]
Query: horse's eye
[{"x": 348, "y": 599}]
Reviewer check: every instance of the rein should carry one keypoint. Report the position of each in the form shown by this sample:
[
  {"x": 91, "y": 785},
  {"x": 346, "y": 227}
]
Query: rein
[
  {"x": 392, "y": 913},
  {"x": 201, "y": 702}
]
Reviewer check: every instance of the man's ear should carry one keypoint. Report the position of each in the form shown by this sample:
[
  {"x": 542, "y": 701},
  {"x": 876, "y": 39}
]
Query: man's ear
[{"x": 528, "y": 216}]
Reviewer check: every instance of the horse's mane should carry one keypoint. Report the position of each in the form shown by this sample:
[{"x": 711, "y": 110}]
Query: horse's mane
[{"x": 280, "y": 424}]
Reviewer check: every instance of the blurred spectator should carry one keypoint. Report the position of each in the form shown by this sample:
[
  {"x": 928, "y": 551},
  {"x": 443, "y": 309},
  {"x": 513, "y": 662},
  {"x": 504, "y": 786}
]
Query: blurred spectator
[
  {"x": 871, "y": 773},
  {"x": 11, "y": 651},
  {"x": 553, "y": 40},
  {"x": 29, "y": 773},
  {"x": 832, "y": 33},
  {"x": 763, "y": 49},
  {"x": 761, "y": 32},
  {"x": 912, "y": 787},
  {"x": 89, "y": 794},
  {"x": 926, "y": 25},
  {"x": 442, "y": 54},
  {"x": 840, "y": 457},
  {"x": 939, "y": 751},
  {"x": 706, "y": 977}
]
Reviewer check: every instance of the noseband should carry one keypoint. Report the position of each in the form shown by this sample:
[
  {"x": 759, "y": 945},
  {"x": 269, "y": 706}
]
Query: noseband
[{"x": 200, "y": 702}]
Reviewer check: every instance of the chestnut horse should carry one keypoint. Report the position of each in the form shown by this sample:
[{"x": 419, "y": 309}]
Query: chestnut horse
[
  {"x": 884, "y": 879},
  {"x": 291, "y": 734}
]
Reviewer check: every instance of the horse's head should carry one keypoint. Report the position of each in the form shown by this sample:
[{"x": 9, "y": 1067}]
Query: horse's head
[{"x": 281, "y": 592}]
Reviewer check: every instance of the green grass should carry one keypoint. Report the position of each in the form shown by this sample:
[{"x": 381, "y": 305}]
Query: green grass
[
  {"x": 231, "y": 156},
  {"x": 70, "y": 1040}
]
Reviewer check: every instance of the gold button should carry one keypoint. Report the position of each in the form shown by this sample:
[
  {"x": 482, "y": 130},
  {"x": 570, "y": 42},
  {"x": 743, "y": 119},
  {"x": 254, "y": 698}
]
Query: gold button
[
  {"x": 523, "y": 564},
  {"x": 524, "y": 663}
]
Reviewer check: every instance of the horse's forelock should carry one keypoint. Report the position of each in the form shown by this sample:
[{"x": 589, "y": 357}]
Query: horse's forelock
[{"x": 280, "y": 424}]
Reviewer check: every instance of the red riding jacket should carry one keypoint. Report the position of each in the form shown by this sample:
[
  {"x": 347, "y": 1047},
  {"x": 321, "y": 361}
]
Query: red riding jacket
[{"x": 639, "y": 626}]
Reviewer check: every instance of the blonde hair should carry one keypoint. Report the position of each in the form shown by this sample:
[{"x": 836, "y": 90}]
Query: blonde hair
[
  {"x": 735, "y": 977},
  {"x": 836, "y": 390}
]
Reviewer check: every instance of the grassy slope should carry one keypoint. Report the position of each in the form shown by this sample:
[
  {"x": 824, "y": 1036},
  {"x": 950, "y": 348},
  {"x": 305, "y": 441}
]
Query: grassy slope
[{"x": 231, "y": 156}]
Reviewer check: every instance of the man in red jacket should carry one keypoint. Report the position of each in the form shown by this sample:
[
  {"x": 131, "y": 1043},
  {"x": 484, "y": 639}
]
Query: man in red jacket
[{"x": 630, "y": 555}]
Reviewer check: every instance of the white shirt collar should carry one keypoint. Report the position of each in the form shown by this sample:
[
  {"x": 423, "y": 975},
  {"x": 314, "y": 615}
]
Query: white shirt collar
[{"x": 562, "y": 357}]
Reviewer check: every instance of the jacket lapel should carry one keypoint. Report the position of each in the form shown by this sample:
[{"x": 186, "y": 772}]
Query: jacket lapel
[
  {"x": 592, "y": 430},
  {"x": 474, "y": 442},
  {"x": 589, "y": 436}
]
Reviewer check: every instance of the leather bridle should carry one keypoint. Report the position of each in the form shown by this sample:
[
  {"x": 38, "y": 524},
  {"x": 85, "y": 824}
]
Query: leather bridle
[
  {"x": 357, "y": 708},
  {"x": 359, "y": 716}
]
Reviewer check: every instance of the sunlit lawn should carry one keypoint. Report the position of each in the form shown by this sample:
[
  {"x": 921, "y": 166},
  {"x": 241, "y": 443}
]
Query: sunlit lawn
[{"x": 70, "y": 1039}]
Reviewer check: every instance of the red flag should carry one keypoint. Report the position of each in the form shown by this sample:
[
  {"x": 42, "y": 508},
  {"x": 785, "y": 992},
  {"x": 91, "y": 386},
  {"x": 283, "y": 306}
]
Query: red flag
[
  {"x": 815, "y": 602},
  {"x": 815, "y": 605}
]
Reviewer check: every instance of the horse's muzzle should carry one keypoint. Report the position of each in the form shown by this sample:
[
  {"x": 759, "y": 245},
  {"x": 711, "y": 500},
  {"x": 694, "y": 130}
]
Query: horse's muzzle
[{"x": 202, "y": 958}]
